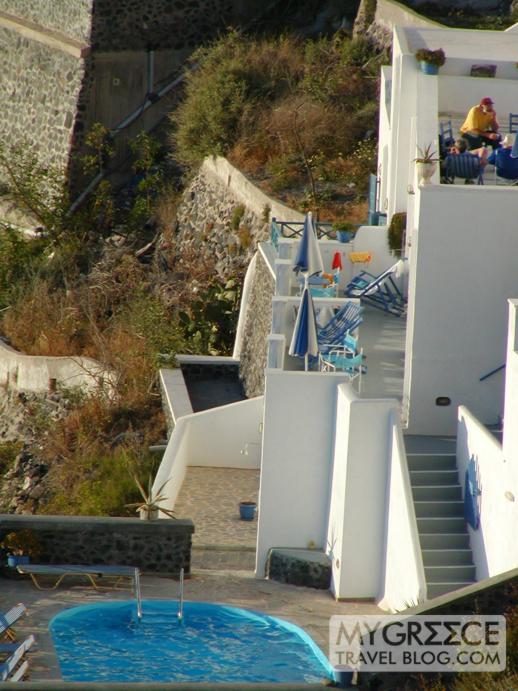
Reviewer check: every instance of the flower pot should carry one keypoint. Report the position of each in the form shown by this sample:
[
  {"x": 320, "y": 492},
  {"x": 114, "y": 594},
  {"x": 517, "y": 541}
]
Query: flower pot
[
  {"x": 148, "y": 514},
  {"x": 429, "y": 68},
  {"x": 425, "y": 172},
  {"x": 13, "y": 560},
  {"x": 247, "y": 510},
  {"x": 344, "y": 235}
]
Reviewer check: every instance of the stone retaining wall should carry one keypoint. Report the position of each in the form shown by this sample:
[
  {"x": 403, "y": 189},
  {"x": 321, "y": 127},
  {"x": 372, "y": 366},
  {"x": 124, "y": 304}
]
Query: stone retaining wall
[
  {"x": 161, "y": 546},
  {"x": 39, "y": 90},
  {"x": 217, "y": 221},
  {"x": 70, "y": 17},
  {"x": 258, "y": 322}
]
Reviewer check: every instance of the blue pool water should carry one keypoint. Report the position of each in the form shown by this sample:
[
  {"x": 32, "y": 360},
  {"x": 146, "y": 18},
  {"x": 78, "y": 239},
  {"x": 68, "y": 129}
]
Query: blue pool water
[{"x": 104, "y": 642}]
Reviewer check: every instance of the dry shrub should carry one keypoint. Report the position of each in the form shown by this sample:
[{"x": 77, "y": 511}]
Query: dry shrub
[{"x": 44, "y": 322}]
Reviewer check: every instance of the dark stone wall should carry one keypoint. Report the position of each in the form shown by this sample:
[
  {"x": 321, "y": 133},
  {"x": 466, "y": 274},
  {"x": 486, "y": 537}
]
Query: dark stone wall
[{"x": 161, "y": 546}]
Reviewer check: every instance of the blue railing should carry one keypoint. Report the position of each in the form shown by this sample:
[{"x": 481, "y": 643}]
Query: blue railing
[{"x": 293, "y": 229}]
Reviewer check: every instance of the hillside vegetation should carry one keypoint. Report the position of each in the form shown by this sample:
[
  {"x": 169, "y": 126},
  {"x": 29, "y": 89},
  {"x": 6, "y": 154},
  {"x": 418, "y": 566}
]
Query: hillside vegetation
[
  {"x": 113, "y": 282},
  {"x": 298, "y": 116}
]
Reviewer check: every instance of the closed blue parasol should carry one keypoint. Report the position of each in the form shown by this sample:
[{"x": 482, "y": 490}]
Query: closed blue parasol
[
  {"x": 308, "y": 260},
  {"x": 304, "y": 340}
]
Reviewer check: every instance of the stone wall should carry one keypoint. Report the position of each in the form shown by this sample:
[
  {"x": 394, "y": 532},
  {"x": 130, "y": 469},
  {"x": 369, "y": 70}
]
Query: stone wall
[
  {"x": 70, "y": 17},
  {"x": 258, "y": 321},
  {"x": 161, "y": 546},
  {"x": 214, "y": 219},
  {"x": 38, "y": 96}
]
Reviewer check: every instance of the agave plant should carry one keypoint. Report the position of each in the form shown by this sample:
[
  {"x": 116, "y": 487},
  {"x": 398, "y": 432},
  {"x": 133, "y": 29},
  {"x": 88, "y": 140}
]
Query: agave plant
[
  {"x": 151, "y": 499},
  {"x": 426, "y": 155}
]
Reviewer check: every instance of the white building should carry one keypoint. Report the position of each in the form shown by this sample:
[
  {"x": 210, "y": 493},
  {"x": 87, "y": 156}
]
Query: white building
[{"x": 367, "y": 476}]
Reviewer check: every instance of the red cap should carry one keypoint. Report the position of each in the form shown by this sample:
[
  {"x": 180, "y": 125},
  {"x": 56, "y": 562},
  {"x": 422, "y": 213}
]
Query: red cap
[
  {"x": 486, "y": 101},
  {"x": 337, "y": 261}
]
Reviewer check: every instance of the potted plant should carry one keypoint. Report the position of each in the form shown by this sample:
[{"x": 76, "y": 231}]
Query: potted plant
[
  {"x": 19, "y": 546},
  {"x": 430, "y": 60},
  {"x": 426, "y": 163},
  {"x": 149, "y": 508},
  {"x": 396, "y": 232},
  {"x": 345, "y": 230},
  {"x": 247, "y": 510}
]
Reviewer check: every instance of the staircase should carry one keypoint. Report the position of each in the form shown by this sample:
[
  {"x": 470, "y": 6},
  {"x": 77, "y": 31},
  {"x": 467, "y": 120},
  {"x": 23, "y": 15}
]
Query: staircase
[{"x": 447, "y": 557}]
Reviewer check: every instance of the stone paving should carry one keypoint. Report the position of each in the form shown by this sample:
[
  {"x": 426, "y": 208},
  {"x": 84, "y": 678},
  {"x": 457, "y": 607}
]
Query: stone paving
[
  {"x": 210, "y": 498},
  {"x": 306, "y": 607}
]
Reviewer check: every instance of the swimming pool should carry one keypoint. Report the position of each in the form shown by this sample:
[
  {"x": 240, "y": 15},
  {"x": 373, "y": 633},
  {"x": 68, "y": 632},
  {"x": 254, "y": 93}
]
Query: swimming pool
[{"x": 218, "y": 643}]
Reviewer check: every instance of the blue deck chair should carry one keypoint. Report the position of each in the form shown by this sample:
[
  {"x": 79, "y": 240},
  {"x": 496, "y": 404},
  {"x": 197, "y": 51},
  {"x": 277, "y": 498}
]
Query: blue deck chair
[
  {"x": 446, "y": 138},
  {"x": 334, "y": 333},
  {"x": 465, "y": 165},
  {"x": 379, "y": 291},
  {"x": 10, "y": 618},
  {"x": 513, "y": 122},
  {"x": 14, "y": 667}
]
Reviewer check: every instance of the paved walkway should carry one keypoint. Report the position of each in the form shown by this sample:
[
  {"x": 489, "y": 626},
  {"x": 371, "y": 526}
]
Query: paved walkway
[
  {"x": 210, "y": 497},
  {"x": 306, "y": 607}
]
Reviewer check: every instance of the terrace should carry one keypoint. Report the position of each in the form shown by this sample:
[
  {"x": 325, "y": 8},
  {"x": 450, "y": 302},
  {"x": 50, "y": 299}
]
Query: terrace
[{"x": 381, "y": 335}]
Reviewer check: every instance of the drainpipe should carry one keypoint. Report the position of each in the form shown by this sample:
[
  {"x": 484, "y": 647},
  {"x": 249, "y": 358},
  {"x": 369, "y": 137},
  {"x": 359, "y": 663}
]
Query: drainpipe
[{"x": 151, "y": 99}]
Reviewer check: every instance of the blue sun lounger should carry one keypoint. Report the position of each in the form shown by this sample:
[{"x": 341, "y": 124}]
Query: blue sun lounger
[
  {"x": 379, "y": 291},
  {"x": 10, "y": 618},
  {"x": 14, "y": 667},
  {"x": 345, "y": 321}
]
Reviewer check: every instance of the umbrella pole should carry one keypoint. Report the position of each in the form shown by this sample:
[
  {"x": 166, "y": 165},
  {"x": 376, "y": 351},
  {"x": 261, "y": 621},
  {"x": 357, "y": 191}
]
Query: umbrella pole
[{"x": 306, "y": 362}]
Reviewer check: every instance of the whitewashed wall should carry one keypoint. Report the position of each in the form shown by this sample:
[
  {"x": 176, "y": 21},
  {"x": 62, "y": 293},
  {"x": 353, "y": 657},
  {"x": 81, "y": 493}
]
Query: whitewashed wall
[
  {"x": 32, "y": 372},
  {"x": 510, "y": 437},
  {"x": 298, "y": 439},
  {"x": 225, "y": 437},
  {"x": 458, "y": 94},
  {"x": 462, "y": 270},
  {"x": 494, "y": 544},
  {"x": 357, "y": 508},
  {"x": 403, "y": 579}
]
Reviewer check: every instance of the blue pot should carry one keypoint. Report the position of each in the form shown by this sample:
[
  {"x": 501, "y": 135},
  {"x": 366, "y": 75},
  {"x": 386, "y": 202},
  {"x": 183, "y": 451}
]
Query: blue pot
[
  {"x": 428, "y": 68},
  {"x": 343, "y": 678},
  {"x": 344, "y": 235},
  {"x": 13, "y": 560},
  {"x": 247, "y": 510}
]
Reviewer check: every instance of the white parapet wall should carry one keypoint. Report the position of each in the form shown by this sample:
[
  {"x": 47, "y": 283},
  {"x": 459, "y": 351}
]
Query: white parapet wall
[
  {"x": 297, "y": 460},
  {"x": 355, "y": 537},
  {"x": 33, "y": 372},
  {"x": 494, "y": 544},
  {"x": 403, "y": 579},
  {"x": 225, "y": 437}
]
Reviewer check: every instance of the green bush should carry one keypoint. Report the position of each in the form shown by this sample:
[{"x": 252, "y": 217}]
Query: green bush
[
  {"x": 20, "y": 259},
  {"x": 396, "y": 231}
]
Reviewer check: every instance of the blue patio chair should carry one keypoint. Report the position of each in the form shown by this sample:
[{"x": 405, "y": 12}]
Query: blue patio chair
[
  {"x": 379, "y": 291},
  {"x": 14, "y": 667},
  {"x": 506, "y": 167},
  {"x": 465, "y": 165},
  {"x": 345, "y": 321},
  {"x": 446, "y": 136},
  {"x": 513, "y": 122},
  {"x": 341, "y": 359}
]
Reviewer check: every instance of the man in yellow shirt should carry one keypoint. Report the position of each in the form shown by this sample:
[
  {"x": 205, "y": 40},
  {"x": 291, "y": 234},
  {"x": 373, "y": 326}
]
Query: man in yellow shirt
[{"x": 481, "y": 126}]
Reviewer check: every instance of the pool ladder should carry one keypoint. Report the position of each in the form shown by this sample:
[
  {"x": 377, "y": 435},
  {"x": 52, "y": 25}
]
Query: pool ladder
[
  {"x": 180, "y": 599},
  {"x": 138, "y": 596}
]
